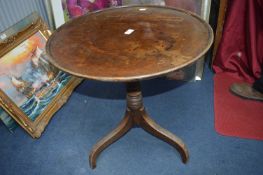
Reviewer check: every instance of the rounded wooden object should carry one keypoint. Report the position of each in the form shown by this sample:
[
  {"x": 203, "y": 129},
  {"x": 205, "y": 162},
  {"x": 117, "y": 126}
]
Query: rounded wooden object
[{"x": 129, "y": 43}]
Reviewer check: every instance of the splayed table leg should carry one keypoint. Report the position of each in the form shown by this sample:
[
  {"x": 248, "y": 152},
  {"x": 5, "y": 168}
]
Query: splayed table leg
[{"x": 137, "y": 116}]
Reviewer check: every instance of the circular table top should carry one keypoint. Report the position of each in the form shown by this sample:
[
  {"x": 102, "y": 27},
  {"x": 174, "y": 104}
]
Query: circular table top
[{"x": 129, "y": 43}]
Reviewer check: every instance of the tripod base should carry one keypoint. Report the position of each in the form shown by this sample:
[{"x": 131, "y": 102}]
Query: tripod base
[{"x": 136, "y": 116}]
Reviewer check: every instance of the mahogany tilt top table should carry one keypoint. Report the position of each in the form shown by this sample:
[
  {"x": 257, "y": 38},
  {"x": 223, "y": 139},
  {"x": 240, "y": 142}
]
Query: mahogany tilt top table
[{"x": 130, "y": 44}]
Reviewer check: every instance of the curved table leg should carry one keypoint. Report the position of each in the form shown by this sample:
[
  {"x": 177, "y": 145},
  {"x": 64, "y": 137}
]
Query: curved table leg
[
  {"x": 137, "y": 116},
  {"x": 124, "y": 126},
  {"x": 153, "y": 128}
]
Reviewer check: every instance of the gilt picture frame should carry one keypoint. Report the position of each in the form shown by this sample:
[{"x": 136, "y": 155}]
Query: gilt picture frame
[{"x": 31, "y": 89}]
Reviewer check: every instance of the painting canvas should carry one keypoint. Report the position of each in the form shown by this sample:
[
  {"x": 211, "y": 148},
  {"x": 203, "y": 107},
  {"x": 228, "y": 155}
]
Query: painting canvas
[
  {"x": 18, "y": 27},
  {"x": 74, "y": 8},
  {"x": 60, "y": 11},
  {"x": 31, "y": 89},
  {"x": 28, "y": 79}
]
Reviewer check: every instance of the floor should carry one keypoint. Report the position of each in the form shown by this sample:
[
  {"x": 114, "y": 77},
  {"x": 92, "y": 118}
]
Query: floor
[{"x": 95, "y": 108}]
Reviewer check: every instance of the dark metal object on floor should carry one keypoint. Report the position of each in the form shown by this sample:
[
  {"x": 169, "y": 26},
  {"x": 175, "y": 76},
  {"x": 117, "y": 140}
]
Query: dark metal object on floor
[{"x": 245, "y": 90}]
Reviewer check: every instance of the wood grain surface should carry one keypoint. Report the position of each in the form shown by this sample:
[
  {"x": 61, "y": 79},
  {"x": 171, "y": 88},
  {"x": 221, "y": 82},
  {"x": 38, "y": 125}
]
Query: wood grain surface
[{"x": 129, "y": 43}]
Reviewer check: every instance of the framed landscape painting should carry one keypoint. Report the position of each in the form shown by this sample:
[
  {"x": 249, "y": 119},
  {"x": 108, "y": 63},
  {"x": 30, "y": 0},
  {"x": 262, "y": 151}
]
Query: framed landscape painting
[{"x": 31, "y": 89}]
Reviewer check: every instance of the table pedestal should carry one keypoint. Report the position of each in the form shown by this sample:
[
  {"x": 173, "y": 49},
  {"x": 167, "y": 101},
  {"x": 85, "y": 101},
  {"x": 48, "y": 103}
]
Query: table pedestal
[{"x": 136, "y": 116}]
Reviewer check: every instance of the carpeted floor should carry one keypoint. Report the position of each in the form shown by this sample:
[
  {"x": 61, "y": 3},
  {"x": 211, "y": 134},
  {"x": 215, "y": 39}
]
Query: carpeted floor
[
  {"x": 236, "y": 116},
  {"x": 95, "y": 108}
]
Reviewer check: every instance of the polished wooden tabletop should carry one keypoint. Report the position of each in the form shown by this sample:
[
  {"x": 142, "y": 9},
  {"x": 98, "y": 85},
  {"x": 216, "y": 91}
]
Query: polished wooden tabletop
[{"x": 129, "y": 43}]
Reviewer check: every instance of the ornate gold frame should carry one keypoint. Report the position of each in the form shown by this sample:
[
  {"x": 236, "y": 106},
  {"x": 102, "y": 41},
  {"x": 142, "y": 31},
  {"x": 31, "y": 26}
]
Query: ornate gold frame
[{"x": 36, "y": 127}]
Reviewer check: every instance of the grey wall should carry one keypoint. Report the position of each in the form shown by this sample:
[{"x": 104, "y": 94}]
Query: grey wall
[{"x": 11, "y": 11}]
